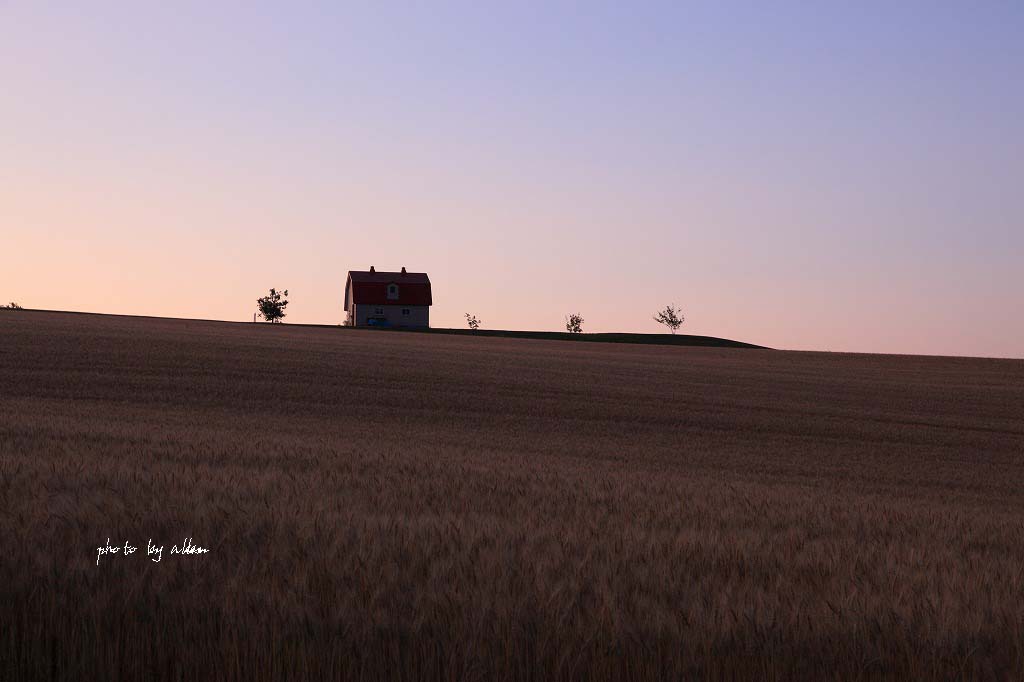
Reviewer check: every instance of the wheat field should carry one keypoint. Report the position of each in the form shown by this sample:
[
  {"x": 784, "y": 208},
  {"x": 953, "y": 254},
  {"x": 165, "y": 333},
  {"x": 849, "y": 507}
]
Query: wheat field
[{"x": 388, "y": 506}]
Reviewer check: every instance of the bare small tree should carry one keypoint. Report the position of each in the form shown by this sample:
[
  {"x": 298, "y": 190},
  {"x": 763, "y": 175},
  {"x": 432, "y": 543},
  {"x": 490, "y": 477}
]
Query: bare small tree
[
  {"x": 473, "y": 321},
  {"x": 574, "y": 323},
  {"x": 671, "y": 317},
  {"x": 271, "y": 307},
  {"x": 11, "y": 306}
]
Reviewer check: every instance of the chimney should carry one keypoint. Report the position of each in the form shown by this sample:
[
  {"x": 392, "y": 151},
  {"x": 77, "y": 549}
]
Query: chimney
[
  {"x": 371, "y": 269},
  {"x": 403, "y": 269}
]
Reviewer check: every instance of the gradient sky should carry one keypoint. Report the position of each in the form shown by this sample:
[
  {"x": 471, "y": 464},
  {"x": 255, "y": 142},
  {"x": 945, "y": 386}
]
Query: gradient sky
[{"x": 829, "y": 176}]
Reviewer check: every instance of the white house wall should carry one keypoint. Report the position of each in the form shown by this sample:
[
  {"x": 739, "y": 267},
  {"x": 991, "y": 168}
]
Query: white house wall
[{"x": 419, "y": 315}]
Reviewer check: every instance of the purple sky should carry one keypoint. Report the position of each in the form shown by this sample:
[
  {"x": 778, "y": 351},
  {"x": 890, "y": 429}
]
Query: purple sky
[{"x": 846, "y": 178}]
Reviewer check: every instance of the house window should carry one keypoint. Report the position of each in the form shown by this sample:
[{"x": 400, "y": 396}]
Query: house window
[
  {"x": 378, "y": 311},
  {"x": 392, "y": 292},
  {"x": 405, "y": 312}
]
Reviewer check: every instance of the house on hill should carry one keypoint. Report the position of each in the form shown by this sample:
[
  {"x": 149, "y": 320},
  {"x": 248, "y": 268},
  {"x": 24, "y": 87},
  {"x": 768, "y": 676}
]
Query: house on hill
[{"x": 387, "y": 299}]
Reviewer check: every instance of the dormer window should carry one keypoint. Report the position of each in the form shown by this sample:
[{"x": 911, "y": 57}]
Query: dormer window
[{"x": 392, "y": 292}]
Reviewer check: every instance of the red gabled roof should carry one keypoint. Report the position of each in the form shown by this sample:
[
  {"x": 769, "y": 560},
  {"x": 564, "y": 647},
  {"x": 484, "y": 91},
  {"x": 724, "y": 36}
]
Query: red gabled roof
[
  {"x": 377, "y": 277},
  {"x": 372, "y": 287}
]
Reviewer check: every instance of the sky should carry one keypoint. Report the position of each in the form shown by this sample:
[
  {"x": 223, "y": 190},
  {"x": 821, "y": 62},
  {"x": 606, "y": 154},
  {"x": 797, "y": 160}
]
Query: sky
[{"x": 820, "y": 176}]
